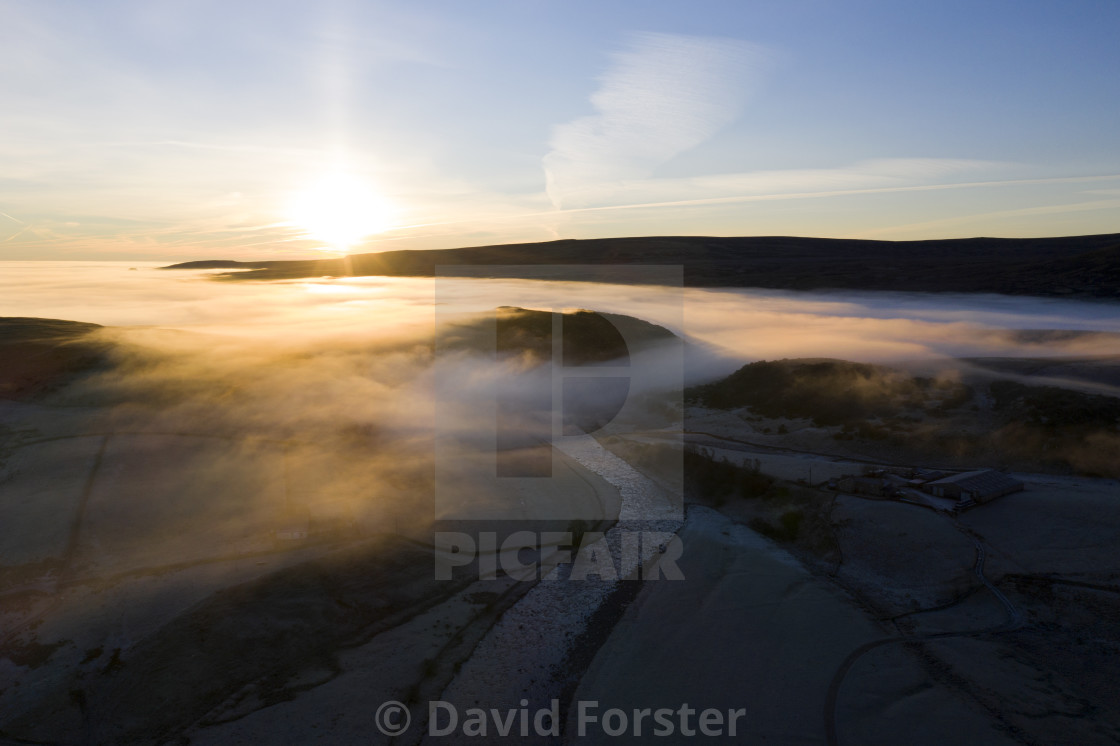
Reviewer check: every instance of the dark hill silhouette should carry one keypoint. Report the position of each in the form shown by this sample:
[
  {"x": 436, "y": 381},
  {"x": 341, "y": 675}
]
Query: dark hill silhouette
[
  {"x": 588, "y": 337},
  {"x": 1075, "y": 266},
  {"x": 40, "y": 354}
]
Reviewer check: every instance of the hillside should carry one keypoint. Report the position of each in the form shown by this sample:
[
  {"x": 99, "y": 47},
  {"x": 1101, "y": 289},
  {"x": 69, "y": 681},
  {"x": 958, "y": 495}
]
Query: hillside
[
  {"x": 877, "y": 410},
  {"x": 1075, "y": 266},
  {"x": 41, "y": 353}
]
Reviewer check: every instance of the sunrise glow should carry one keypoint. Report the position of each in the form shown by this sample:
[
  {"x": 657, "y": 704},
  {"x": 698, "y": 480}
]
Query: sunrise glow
[{"x": 339, "y": 209}]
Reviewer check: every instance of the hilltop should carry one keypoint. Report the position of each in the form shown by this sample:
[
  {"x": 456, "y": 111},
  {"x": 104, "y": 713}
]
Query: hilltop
[
  {"x": 588, "y": 337},
  {"x": 875, "y": 410},
  {"x": 39, "y": 354}
]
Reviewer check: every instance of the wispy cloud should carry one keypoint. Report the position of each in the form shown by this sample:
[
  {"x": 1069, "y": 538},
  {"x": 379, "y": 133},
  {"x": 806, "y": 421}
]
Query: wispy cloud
[
  {"x": 988, "y": 217},
  {"x": 878, "y": 177},
  {"x": 836, "y": 191},
  {"x": 884, "y": 173},
  {"x": 661, "y": 96}
]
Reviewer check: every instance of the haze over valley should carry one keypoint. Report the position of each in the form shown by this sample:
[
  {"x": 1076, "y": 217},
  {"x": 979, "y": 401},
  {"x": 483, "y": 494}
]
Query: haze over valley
[
  {"x": 208, "y": 461},
  {"x": 559, "y": 372}
]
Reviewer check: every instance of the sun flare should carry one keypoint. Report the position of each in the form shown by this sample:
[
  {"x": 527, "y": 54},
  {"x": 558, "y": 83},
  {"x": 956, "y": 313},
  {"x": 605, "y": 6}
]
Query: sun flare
[{"x": 340, "y": 209}]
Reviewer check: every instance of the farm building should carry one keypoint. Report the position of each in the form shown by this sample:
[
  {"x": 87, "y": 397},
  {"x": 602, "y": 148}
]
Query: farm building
[
  {"x": 867, "y": 485},
  {"x": 977, "y": 486}
]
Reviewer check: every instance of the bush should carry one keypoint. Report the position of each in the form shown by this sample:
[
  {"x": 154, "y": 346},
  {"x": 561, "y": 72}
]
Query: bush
[
  {"x": 1054, "y": 407},
  {"x": 829, "y": 392},
  {"x": 718, "y": 479},
  {"x": 787, "y": 529}
]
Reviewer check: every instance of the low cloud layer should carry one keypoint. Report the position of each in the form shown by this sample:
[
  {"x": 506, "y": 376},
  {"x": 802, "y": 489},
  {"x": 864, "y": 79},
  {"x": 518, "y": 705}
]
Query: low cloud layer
[{"x": 743, "y": 324}]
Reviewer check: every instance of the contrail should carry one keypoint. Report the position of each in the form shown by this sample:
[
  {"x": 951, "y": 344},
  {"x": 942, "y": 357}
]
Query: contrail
[
  {"x": 773, "y": 197},
  {"x": 840, "y": 193},
  {"x": 1038, "y": 210},
  {"x": 15, "y": 220},
  {"x": 20, "y": 232}
]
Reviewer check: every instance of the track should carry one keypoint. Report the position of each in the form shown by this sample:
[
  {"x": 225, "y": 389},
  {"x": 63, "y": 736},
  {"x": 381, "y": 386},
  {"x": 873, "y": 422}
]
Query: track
[{"x": 1013, "y": 622}]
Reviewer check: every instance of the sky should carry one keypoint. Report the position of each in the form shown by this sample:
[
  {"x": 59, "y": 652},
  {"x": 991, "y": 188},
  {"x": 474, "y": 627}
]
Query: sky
[{"x": 171, "y": 131}]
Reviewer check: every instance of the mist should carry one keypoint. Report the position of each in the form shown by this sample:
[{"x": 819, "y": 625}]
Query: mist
[
  {"x": 735, "y": 325},
  {"x": 221, "y": 433},
  {"x": 332, "y": 382}
]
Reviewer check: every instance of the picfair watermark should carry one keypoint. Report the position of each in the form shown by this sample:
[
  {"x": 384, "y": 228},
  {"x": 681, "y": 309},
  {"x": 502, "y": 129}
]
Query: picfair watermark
[{"x": 526, "y": 555}]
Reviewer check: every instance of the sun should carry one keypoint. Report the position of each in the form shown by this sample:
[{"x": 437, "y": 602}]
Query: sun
[{"x": 340, "y": 209}]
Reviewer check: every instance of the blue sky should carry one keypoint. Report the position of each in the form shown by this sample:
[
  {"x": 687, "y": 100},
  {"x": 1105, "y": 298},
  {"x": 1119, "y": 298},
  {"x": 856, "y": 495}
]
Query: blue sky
[{"x": 180, "y": 130}]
